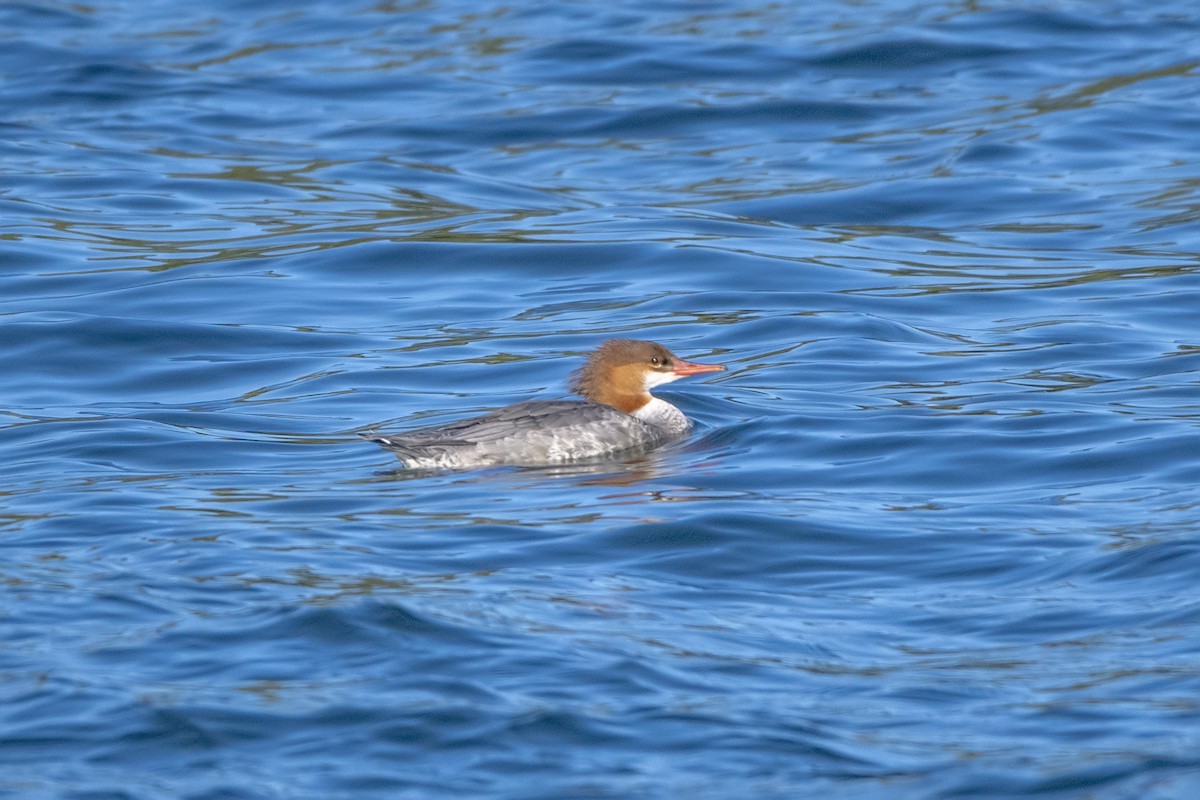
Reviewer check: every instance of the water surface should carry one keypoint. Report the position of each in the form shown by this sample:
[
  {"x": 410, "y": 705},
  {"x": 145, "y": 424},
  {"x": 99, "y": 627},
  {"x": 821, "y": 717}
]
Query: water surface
[{"x": 934, "y": 536}]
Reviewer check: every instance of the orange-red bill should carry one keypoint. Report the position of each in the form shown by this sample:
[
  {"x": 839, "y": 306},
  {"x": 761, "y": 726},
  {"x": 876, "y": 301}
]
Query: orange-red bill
[{"x": 692, "y": 368}]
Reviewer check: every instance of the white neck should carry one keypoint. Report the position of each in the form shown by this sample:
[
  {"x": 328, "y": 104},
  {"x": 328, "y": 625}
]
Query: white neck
[{"x": 662, "y": 414}]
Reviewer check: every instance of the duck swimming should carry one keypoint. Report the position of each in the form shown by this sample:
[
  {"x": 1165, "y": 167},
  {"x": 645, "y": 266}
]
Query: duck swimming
[{"x": 617, "y": 414}]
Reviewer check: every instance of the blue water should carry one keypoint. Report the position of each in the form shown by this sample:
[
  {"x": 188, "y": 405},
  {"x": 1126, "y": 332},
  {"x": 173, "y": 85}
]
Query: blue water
[{"x": 937, "y": 534}]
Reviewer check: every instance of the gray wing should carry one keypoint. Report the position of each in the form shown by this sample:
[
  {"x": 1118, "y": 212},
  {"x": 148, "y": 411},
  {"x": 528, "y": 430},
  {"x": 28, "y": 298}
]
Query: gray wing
[
  {"x": 493, "y": 426},
  {"x": 503, "y": 434}
]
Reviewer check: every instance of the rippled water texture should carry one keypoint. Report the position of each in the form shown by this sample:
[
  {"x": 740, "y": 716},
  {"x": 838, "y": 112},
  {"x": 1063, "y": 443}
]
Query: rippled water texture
[{"x": 935, "y": 535}]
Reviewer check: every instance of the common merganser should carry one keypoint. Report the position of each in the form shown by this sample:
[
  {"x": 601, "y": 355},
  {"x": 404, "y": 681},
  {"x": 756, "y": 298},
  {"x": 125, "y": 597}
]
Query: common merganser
[{"x": 617, "y": 414}]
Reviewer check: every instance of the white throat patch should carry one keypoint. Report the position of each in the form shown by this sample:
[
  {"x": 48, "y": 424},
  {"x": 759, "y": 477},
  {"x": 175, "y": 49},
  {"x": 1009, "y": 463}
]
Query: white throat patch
[{"x": 654, "y": 378}]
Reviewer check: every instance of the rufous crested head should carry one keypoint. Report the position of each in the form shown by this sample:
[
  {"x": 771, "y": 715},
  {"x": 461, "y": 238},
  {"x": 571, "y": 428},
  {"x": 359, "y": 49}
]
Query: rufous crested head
[{"x": 621, "y": 372}]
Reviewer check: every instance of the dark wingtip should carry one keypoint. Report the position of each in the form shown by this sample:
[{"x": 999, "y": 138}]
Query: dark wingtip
[{"x": 377, "y": 438}]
